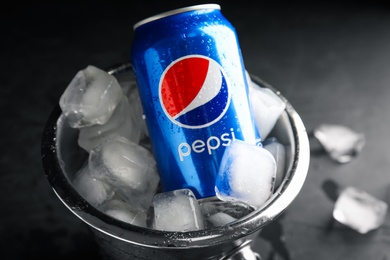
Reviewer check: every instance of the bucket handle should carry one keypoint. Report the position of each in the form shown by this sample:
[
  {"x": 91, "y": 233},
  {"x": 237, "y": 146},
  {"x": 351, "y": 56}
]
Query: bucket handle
[{"x": 242, "y": 252}]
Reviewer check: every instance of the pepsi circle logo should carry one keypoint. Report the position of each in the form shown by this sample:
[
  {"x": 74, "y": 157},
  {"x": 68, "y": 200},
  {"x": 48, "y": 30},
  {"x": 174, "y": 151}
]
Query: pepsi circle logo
[{"x": 194, "y": 91}]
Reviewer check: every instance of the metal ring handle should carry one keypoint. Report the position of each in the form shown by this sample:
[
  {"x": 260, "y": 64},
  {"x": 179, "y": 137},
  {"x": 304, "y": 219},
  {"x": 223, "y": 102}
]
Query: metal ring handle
[{"x": 243, "y": 252}]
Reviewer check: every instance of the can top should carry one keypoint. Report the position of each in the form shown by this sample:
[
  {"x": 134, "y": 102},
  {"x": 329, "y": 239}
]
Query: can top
[{"x": 177, "y": 11}]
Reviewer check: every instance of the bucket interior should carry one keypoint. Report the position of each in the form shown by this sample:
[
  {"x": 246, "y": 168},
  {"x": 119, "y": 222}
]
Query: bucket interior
[{"x": 62, "y": 158}]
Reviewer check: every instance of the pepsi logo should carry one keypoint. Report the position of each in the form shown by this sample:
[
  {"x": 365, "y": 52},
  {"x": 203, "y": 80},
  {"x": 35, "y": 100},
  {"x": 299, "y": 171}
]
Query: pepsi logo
[{"x": 194, "y": 91}]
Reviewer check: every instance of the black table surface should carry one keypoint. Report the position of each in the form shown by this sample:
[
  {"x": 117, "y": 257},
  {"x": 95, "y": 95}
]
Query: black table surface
[{"x": 330, "y": 60}]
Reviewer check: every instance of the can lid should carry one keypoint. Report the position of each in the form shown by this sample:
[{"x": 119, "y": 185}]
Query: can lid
[{"x": 177, "y": 11}]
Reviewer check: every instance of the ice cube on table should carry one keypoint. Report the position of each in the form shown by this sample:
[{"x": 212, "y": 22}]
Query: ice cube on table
[
  {"x": 217, "y": 213},
  {"x": 247, "y": 173},
  {"x": 128, "y": 167},
  {"x": 266, "y": 107},
  {"x": 177, "y": 210},
  {"x": 359, "y": 210},
  {"x": 90, "y": 98},
  {"x": 121, "y": 210},
  {"x": 121, "y": 123},
  {"x": 342, "y": 143},
  {"x": 279, "y": 153},
  {"x": 92, "y": 190}
]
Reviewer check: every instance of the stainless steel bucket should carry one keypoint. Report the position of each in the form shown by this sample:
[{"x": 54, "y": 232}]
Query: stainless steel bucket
[{"x": 62, "y": 157}]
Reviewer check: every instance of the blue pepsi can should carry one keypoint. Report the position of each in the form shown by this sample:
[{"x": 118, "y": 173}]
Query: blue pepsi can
[{"x": 194, "y": 93}]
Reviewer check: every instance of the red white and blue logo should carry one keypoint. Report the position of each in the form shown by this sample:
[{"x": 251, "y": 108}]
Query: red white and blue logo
[{"x": 194, "y": 91}]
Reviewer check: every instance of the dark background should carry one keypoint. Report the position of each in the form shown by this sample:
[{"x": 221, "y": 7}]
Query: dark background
[{"x": 331, "y": 60}]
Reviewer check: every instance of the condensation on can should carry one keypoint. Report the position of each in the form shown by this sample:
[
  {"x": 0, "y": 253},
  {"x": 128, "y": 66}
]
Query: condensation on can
[{"x": 194, "y": 91}]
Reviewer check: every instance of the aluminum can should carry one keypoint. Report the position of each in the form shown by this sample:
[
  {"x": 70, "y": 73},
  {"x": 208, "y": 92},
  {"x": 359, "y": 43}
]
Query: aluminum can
[{"x": 194, "y": 92}]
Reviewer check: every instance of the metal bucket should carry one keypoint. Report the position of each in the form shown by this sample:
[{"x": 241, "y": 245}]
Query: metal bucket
[{"x": 62, "y": 157}]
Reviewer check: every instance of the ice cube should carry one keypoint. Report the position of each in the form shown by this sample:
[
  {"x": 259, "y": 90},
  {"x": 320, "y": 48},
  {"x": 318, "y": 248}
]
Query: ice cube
[
  {"x": 128, "y": 86},
  {"x": 217, "y": 213},
  {"x": 128, "y": 167},
  {"x": 342, "y": 143},
  {"x": 121, "y": 210},
  {"x": 137, "y": 111},
  {"x": 177, "y": 210},
  {"x": 247, "y": 173},
  {"x": 267, "y": 107},
  {"x": 121, "y": 123},
  {"x": 92, "y": 190},
  {"x": 130, "y": 90},
  {"x": 90, "y": 98},
  {"x": 359, "y": 210},
  {"x": 218, "y": 219},
  {"x": 279, "y": 153}
]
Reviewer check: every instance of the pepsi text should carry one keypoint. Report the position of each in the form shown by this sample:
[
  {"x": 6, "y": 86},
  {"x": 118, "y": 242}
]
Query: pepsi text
[{"x": 199, "y": 146}]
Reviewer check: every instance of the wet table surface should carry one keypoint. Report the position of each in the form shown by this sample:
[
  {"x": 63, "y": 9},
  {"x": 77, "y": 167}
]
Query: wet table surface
[{"x": 331, "y": 61}]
